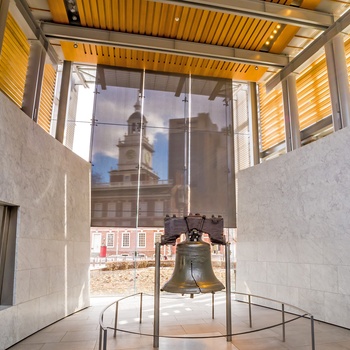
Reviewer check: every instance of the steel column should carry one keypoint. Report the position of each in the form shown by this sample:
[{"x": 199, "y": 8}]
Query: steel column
[
  {"x": 64, "y": 101},
  {"x": 156, "y": 297},
  {"x": 228, "y": 292},
  {"x": 253, "y": 118},
  {"x": 4, "y": 7},
  {"x": 338, "y": 82},
  {"x": 34, "y": 80},
  {"x": 291, "y": 114}
]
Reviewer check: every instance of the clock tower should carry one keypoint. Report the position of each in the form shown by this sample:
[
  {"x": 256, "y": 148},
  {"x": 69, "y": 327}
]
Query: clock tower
[{"x": 129, "y": 147}]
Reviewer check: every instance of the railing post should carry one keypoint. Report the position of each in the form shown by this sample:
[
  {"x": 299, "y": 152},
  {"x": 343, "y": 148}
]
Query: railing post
[
  {"x": 283, "y": 325},
  {"x": 141, "y": 298},
  {"x": 116, "y": 319},
  {"x": 312, "y": 333},
  {"x": 100, "y": 340},
  {"x": 212, "y": 305},
  {"x": 156, "y": 297},
  {"x": 250, "y": 311},
  {"x": 228, "y": 293},
  {"x": 105, "y": 339}
]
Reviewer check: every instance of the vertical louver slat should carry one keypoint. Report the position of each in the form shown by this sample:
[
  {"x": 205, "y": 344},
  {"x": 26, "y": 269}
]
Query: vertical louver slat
[
  {"x": 314, "y": 101},
  {"x": 14, "y": 62},
  {"x": 271, "y": 118},
  {"x": 47, "y": 97}
]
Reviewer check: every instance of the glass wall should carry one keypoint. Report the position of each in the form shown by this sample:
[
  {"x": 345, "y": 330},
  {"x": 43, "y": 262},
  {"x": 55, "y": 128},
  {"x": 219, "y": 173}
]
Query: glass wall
[
  {"x": 162, "y": 144},
  {"x": 175, "y": 159}
]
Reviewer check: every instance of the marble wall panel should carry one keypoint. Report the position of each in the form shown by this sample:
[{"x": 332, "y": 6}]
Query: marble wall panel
[
  {"x": 293, "y": 211},
  {"x": 51, "y": 186}
]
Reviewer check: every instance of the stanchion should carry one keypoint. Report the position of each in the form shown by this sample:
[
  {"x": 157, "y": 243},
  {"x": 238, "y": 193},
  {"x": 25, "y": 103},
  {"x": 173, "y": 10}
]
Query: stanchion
[
  {"x": 228, "y": 293},
  {"x": 156, "y": 297}
]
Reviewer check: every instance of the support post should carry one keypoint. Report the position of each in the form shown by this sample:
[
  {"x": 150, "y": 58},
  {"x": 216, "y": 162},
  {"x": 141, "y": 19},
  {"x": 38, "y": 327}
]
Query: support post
[
  {"x": 291, "y": 113},
  {"x": 228, "y": 293},
  {"x": 4, "y": 8},
  {"x": 116, "y": 319},
  {"x": 34, "y": 80},
  {"x": 250, "y": 311},
  {"x": 253, "y": 109},
  {"x": 338, "y": 82},
  {"x": 283, "y": 325},
  {"x": 64, "y": 101},
  {"x": 156, "y": 297}
]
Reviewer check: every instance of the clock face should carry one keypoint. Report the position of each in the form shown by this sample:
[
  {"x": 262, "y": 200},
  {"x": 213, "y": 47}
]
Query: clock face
[{"x": 130, "y": 154}]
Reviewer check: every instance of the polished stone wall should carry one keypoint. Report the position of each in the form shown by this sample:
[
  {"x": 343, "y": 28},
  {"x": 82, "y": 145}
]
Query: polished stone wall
[
  {"x": 293, "y": 228},
  {"x": 51, "y": 186}
]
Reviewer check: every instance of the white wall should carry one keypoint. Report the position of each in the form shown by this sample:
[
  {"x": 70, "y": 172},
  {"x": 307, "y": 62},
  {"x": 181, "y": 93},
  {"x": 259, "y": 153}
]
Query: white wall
[
  {"x": 294, "y": 229},
  {"x": 51, "y": 186}
]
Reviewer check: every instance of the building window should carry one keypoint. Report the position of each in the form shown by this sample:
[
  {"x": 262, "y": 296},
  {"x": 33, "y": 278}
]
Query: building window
[
  {"x": 159, "y": 209},
  {"x": 143, "y": 209},
  {"x": 8, "y": 223},
  {"x": 112, "y": 207},
  {"x": 98, "y": 210},
  {"x": 110, "y": 239},
  {"x": 141, "y": 240},
  {"x": 126, "y": 240},
  {"x": 126, "y": 209},
  {"x": 157, "y": 237}
]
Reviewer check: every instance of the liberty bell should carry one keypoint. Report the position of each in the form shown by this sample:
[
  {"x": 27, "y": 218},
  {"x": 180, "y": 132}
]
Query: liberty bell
[{"x": 193, "y": 272}]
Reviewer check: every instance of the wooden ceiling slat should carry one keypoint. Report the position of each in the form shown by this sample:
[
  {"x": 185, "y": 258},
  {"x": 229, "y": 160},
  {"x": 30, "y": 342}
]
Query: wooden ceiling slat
[
  {"x": 216, "y": 28},
  {"x": 142, "y": 18},
  {"x": 197, "y": 32},
  {"x": 135, "y": 17},
  {"x": 129, "y": 15},
  {"x": 101, "y": 8},
  {"x": 97, "y": 19},
  {"x": 108, "y": 11},
  {"x": 58, "y": 11},
  {"x": 192, "y": 19},
  {"x": 121, "y": 15},
  {"x": 156, "y": 18},
  {"x": 182, "y": 23},
  {"x": 149, "y": 18},
  {"x": 208, "y": 25},
  {"x": 237, "y": 32}
]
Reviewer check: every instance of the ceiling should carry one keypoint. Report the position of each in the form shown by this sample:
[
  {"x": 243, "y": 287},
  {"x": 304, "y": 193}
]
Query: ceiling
[{"x": 245, "y": 40}]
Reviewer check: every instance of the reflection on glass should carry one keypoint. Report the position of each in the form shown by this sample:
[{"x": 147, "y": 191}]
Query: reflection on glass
[
  {"x": 161, "y": 145},
  {"x": 174, "y": 158}
]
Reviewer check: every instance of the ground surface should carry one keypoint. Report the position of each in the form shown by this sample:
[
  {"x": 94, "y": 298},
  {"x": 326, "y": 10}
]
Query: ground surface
[{"x": 132, "y": 281}]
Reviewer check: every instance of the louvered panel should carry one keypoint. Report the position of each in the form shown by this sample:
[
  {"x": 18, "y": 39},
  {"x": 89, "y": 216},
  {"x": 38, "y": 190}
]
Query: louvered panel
[
  {"x": 58, "y": 11},
  {"x": 46, "y": 97},
  {"x": 243, "y": 34},
  {"x": 271, "y": 118},
  {"x": 313, "y": 94},
  {"x": 13, "y": 61}
]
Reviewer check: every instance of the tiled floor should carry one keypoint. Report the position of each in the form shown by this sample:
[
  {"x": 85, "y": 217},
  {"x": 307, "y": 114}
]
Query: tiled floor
[{"x": 183, "y": 317}]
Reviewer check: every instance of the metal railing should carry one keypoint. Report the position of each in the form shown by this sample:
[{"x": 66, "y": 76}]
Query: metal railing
[{"x": 297, "y": 314}]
